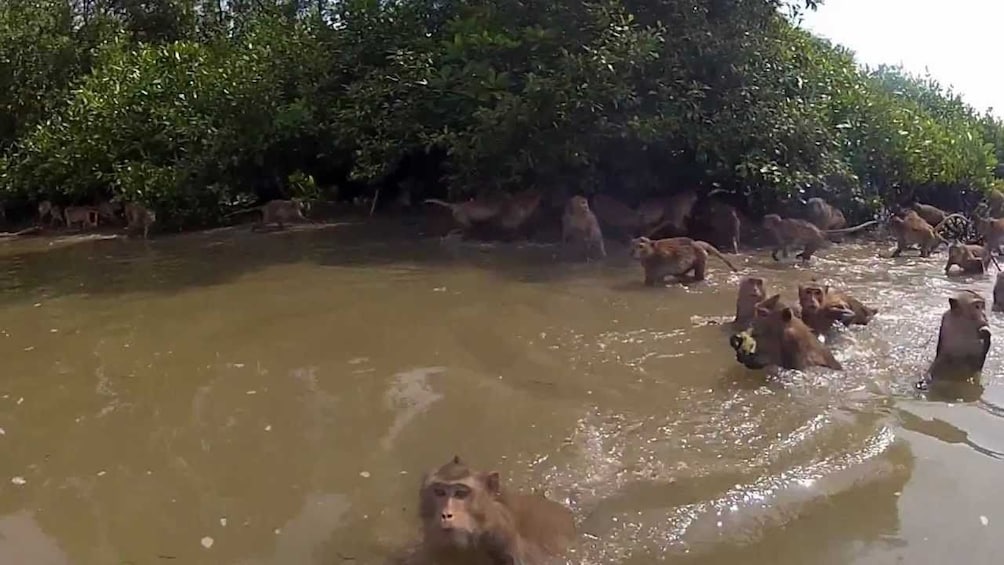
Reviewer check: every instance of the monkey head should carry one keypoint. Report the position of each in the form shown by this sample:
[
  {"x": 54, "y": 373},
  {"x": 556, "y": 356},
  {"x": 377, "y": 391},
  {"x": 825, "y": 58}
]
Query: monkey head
[
  {"x": 642, "y": 248},
  {"x": 752, "y": 287},
  {"x": 970, "y": 306},
  {"x": 453, "y": 503},
  {"x": 771, "y": 221}
]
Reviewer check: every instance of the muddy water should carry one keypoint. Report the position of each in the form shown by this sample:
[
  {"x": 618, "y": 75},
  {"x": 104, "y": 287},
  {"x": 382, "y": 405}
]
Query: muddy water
[{"x": 273, "y": 399}]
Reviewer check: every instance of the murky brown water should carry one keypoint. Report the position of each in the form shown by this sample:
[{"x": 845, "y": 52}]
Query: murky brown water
[{"x": 281, "y": 394}]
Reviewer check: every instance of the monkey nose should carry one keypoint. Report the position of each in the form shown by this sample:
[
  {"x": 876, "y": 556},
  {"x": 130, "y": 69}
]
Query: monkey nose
[{"x": 446, "y": 516}]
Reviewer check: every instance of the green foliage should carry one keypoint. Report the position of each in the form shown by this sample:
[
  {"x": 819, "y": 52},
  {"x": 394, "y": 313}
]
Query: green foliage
[{"x": 195, "y": 107}]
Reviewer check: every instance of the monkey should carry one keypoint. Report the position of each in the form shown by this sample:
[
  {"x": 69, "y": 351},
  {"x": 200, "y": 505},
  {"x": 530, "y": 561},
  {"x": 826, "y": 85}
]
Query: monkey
[
  {"x": 824, "y": 215},
  {"x": 791, "y": 232},
  {"x": 278, "y": 212},
  {"x": 518, "y": 208},
  {"x": 579, "y": 224},
  {"x": 963, "y": 338},
  {"x": 615, "y": 216},
  {"x": 470, "y": 517},
  {"x": 751, "y": 292},
  {"x": 139, "y": 216},
  {"x": 108, "y": 210},
  {"x": 720, "y": 221},
  {"x": 822, "y": 306},
  {"x": 667, "y": 212},
  {"x": 674, "y": 256},
  {"x": 995, "y": 203},
  {"x": 47, "y": 209},
  {"x": 999, "y": 293},
  {"x": 780, "y": 338},
  {"x": 992, "y": 232},
  {"x": 471, "y": 212},
  {"x": 969, "y": 258},
  {"x": 86, "y": 216},
  {"x": 911, "y": 229},
  {"x": 931, "y": 214}
]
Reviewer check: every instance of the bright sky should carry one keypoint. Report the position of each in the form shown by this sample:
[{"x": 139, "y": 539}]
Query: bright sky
[{"x": 961, "y": 42}]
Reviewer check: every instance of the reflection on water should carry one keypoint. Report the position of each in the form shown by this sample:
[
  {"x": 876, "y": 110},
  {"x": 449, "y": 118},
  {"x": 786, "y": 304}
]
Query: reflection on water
[{"x": 279, "y": 395}]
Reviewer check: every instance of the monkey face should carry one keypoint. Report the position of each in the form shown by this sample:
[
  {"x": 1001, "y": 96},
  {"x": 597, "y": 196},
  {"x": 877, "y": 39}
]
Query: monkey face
[
  {"x": 970, "y": 306},
  {"x": 810, "y": 297},
  {"x": 642, "y": 248},
  {"x": 448, "y": 515},
  {"x": 753, "y": 287}
]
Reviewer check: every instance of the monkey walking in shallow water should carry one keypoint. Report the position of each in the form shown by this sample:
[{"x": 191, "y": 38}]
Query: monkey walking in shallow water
[
  {"x": 675, "y": 256},
  {"x": 792, "y": 232}
]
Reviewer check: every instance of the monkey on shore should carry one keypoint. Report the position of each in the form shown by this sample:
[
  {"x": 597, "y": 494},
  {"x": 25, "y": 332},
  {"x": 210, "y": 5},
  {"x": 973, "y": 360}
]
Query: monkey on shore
[
  {"x": 86, "y": 216},
  {"x": 472, "y": 212},
  {"x": 999, "y": 293},
  {"x": 517, "y": 209},
  {"x": 469, "y": 517},
  {"x": 46, "y": 209},
  {"x": 616, "y": 218},
  {"x": 992, "y": 232},
  {"x": 279, "y": 212},
  {"x": 963, "y": 339},
  {"x": 780, "y": 338},
  {"x": 931, "y": 214},
  {"x": 675, "y": 256},
  {"x": 751, "y": 292},
  {"x": 911, "y": 229},
  {"x": 667, "y": 213},
  {"x": 139, "y": 217},
  {"x": 108, "y": 210},
  {"x": 824, "y": 215},
  {"x": 792, "y": 232},
  {"x": 579, "y": 226}
]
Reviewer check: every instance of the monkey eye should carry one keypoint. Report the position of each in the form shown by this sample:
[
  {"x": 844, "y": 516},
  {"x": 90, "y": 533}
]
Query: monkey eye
[
  {"x": 461, "y": 493},
  {"x": 439, "y": 491}
]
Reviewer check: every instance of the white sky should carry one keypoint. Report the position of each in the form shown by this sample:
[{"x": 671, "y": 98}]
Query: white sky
[{"x": 960, "y": 42}]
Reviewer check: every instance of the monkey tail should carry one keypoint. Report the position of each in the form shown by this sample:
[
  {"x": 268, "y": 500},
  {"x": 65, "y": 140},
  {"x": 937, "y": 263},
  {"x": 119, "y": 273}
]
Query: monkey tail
[
  {"x": 242, "y": 211},
  {"x": 858, "y": 227},
  {"x": 442, "y": 203},
  {"x": 713, "y": 251}
]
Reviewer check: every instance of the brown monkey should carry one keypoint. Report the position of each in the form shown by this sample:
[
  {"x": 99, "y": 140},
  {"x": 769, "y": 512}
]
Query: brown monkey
[
  {"x": 47, "y": 209},
  {"x": 579, "y": 224},
  {"x": 911, "y": 229},
  {"x": 725, "y": 224},
  {"x": 963, "y": 339},
  {"x": 471, "y": 212},
  {"x": 791, "y": 232},
  {"x": 969, "y": 258},
  {"x": 992, "y": 232},
  {"x": 616, "y": 216},
  {"x": 518, "y": 208},
  {"x": 280, "y": 212},
  {"x": 822, "y": 306},
  {"x": 995, "y": 204},
  {"x": 139, "y": 217},
  {"x": 751, "y": 292},
  {"x": 675, "y": 256},
  {"x": 999, "y": 293},
  {"x": 86, "y": 216},
  {"x": 108, "y": 211},
  {"x": 931, "y": 214},
  {"x": 824, "y": 215},
  {"x": 668, "y": 213},
  {"x": 780, "y": 338},
  {"x": 469, "y": 517}
]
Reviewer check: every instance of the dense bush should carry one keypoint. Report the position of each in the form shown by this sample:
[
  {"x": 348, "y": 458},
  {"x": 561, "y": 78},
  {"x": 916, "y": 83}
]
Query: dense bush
[{"x": 196, "y": 107}]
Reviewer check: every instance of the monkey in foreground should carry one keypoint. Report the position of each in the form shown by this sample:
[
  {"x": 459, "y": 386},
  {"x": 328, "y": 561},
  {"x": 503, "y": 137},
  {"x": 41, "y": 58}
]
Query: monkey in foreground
[
  {"x": 469, "y": 517},
  {"x": 579, "y": 225},
  {"x": 139, "y": 217},
  {"x": 780, "y": 338},
  {"x": 824, "y": 215},
  {"x": 911, "y": 229},
  {"x": 792, "y": 232},
  {"x": 751, "y": 292},
  {"x": 963, "y": 339},
  {"x": 675, "y": 256},
  {"x": 969, "y": 259},
  {"x": 667, "y": 213},
  {"x": 822, "y": 306},
  {"x": 86, "y": 216},
  {"x": 999, "y": 293},
  {"x": 931, "y": 214}
]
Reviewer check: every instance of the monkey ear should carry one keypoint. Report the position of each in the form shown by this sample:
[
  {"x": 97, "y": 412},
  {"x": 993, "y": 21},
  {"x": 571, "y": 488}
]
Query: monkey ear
[
  {"x": 953, "y": 303},
  {"x": 786, "y": 314},
  {"x": 456, "y": 460},
  {"x": 492, "y": 482}
]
